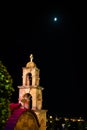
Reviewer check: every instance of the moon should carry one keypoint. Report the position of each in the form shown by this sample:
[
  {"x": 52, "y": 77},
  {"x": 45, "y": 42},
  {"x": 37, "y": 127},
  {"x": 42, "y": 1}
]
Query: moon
[{"x": 55, "y": 19}]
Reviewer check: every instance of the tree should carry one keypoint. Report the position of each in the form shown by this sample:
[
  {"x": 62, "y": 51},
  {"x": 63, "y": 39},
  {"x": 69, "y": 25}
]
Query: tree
[{"x": 6, "y": 90}]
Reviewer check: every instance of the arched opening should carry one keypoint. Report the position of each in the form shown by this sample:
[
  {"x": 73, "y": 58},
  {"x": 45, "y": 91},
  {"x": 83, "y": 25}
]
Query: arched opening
[
  {"x": 29, "y": 79},
  {"x": 27, "y": 99}
]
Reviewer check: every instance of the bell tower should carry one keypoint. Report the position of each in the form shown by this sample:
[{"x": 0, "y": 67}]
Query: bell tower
[
  {"x": 31, "y": 86},
  {"x": 31, "y": 74}
]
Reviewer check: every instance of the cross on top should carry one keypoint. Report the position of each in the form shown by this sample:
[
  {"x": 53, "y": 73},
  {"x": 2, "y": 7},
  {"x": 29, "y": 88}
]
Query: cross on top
[{"x": 31, "y": 57}]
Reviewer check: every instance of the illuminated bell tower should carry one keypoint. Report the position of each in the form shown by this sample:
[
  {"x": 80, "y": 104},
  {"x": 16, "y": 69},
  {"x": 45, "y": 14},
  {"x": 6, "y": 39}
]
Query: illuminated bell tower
[
  {"x": 31, "y": 74},
  {"x": 30, "y": 84}
]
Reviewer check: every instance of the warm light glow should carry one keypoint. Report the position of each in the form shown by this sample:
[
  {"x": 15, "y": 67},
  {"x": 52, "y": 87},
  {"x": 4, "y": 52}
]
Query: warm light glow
[{"x": 50, "y": 116}]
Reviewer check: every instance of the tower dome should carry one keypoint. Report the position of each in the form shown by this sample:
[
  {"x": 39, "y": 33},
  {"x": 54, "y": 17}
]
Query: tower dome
[{"x": 31, "y": 64}]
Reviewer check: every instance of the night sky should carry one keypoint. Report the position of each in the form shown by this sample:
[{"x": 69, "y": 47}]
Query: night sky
[{"x": 59, "y": 51}]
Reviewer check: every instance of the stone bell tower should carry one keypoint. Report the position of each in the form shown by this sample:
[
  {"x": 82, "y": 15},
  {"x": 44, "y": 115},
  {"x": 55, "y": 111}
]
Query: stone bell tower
[{"x": 30, "y": 84}]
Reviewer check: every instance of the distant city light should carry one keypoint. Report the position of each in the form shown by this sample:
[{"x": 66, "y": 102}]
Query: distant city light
[
  {"x": 63, "y": 125},
  {"x": 51, "y": 117}
]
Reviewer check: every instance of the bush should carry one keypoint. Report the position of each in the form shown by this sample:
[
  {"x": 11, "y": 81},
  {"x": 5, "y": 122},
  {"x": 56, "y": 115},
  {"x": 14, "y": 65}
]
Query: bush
[{"x": 6, "y": 90}]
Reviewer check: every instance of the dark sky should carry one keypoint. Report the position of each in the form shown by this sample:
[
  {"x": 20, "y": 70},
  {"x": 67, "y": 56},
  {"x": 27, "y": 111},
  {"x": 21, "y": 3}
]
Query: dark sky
[{"x": 59, "y": 51}]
